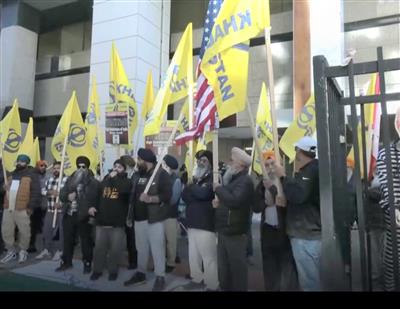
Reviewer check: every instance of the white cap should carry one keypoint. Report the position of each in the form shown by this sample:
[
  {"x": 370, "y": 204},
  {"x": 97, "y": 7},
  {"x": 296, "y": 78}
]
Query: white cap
[{"x": 307, "y": 143}]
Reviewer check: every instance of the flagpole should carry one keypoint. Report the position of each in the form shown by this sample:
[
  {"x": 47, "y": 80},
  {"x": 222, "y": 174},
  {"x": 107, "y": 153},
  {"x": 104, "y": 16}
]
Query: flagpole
[
  {"x": 215, "y": 156},
  {"x": 271, "y": 88},
  {"x": 4, "y": 167},
  {"x": 252, "y": 157},
  {"x": 191, "y": 105},
  {"x": 60, "y": 177},
  {"x": 169, "y": 143},
  {"x": 255, "y": 141}
]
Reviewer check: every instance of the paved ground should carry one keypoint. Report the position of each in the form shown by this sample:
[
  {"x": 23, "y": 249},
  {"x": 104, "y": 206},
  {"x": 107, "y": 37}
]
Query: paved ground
[{"x": 40, "y": 275}]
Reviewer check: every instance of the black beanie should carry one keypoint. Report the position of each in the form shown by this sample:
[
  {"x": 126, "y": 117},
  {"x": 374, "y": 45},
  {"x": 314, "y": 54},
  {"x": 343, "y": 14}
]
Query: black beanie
[
  {"x": 82, "y": 160},
  {"x": 147, "y": 155},
  {"x": 205, "y": 153},
  {"x": 171, "y": 162},
  {"x": 121, "y": 162}
]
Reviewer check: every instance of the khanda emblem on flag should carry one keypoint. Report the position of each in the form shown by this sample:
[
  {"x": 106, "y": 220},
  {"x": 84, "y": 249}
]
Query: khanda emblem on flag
[
  {"x": 77, "y": 135},
  {"x": 305, "y": 118},
  {"x": 12, "y": 142}
]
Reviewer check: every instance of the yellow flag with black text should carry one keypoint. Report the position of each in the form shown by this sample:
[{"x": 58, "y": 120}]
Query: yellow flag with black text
[
  {"x": 11, "y": 137},
  {"x": 36, "y": 148},
  {"x": 303, "y": 125},
  {"x": 263, "y": 128},
  {"x": 95, "y": 140},
  {"x": 121, "y": 92},
  {"x": 175, "y": 85},
  {"x": 27, "y": 146},
  {"x": 72, "y": 128}
]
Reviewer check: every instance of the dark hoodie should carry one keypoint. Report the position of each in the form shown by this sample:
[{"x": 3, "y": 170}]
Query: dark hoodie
[{"x": 114, "y": 201}]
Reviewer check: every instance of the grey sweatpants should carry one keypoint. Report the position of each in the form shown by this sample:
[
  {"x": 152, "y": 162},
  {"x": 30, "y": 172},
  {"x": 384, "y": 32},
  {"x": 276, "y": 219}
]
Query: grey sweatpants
[
  {"x": 150, "y": 237},
  {"x": 11, "y": 219},
  {"x": 232, "y": 263},
  {"x": 109, "y": 241},
  {"x": 52, "y": 241}
]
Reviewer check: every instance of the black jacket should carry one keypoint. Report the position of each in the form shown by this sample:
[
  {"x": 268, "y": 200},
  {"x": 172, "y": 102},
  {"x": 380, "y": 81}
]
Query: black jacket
[
  {"x": 114, "y": 201},
  {"x": 86, "y": 199},
  {"x": 161, "y": 187},
  {"x": 200, "y": 213},
  {"x": 236, "y": 200},
  {"x": 275, "y": 237},
  {"x": 303, "y": 209}
]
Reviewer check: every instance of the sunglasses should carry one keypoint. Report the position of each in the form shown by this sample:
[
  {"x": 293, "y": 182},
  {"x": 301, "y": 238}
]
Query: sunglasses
[{"x": 82, "y": 166}]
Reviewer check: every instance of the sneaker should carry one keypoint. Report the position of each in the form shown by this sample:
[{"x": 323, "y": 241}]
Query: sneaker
[
  {"x": 11, "y": 255},
  {"x": 137, "y": 278},
  {"x": 169, "y": 269},
  {"x": 112, "y": 277},
  {"x": 44, "y": 254},
  {"x": 63, "y": 267},
  {"x": 95, "y": 276},
  {"x": 159, "y": 284},
  {"x": 87, "y": 268},
  {"x": 57, "y": 256},
  {"x": 22, "y": 256},
  {"x": 193, "y": 286}
]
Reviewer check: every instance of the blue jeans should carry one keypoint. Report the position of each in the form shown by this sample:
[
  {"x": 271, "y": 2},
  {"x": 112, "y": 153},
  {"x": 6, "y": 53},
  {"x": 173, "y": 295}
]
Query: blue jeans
[{"x": 307, "y": 255}]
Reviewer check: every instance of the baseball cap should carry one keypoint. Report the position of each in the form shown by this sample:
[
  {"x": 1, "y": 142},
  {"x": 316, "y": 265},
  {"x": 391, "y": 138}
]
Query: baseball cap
[{"x": 307, "y": 143}]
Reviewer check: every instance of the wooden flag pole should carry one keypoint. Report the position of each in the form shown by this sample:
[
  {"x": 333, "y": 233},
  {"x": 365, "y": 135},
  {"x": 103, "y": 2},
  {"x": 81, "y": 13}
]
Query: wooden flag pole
[
  {"x": 60, "y": 177},
  {"x": 270, "y": 81},
  {"x": 169, "y": 143},
  {"x": 215, "y": 156},
  {"x": 190, "y": 108},
  {"x": 256, "y": 142},
  {"x": 252, "y": 157}
]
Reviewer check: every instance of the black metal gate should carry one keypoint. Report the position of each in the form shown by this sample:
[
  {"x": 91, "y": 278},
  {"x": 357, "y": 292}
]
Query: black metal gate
[{"x": 332, "y": 151}]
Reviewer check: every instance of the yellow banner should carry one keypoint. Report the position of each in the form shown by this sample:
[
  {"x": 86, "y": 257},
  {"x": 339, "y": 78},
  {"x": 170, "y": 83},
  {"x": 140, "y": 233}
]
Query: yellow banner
[
  {"x": 263, "y": 128},
  {"x": 95, "y": 139},
  {"x": 237, "y": 22},
  {"x": 121, "y": 91},
  {"x": 36, "y": 148},
  {"x": 11, "y": 137},
  {"x": 304, "y": 125},
  {"x": 176, "y": 84},
  {"x": 70, "y": 125},
  {"x": 27, "y": 146},
  {"x": 148, "y": 97}
]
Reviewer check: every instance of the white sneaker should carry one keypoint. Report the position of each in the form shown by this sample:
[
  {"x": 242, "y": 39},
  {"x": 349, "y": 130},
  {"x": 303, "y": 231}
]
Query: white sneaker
[
  {"x": 11, "y": 255},
  {"x": 57, "y": 256},
  {"x": 23, "y": 256},
  {"x": 42, "y": 255}
]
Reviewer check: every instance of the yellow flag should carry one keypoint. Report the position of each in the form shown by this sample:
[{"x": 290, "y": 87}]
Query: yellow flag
[
  {"x": 369, "y": 116},
  {"x": 263, "y": 128},
  {"x": 27, "y": 146},
  {"x": 11, "y": 137},
  {"x": 183, "y": 125},
  {"x": 36, "y": 149},
  {"x": 70, "y": 125},
  {"x": 304, "y": 125},
  {"x": 176, "y": 83},
  {"x": 148, "y": 97},
  {"x": 237, "y": 22},
  {"x": 121, "y": 92},
  {"x": 95, "y": 140}
]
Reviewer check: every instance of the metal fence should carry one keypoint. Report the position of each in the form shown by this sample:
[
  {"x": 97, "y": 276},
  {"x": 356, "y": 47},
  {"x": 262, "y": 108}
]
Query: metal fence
[{"x": 332, "y": 152}]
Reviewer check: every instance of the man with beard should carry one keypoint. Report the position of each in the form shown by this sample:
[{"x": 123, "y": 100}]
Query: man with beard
[
  {"x": 40, "y": 209},
  {"x": 170, "y": 164},
  {"x": 52, "y": 237},
  {"x": 303, "y": 219},
  {"x": 232, "y": 202},
  {"x": 22, "y": 195},
  {"x": 149, "y": 213},
  {"x": 80, "y": 193},
  {"x": 111, "y": 212},
  {"x": 130, "y": 231},
  {"x": 278, "y": 264},
  {"x": 200, "y": 216}
]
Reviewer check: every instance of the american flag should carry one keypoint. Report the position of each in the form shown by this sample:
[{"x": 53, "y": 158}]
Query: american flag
[{"x": 205, "y": 115}]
